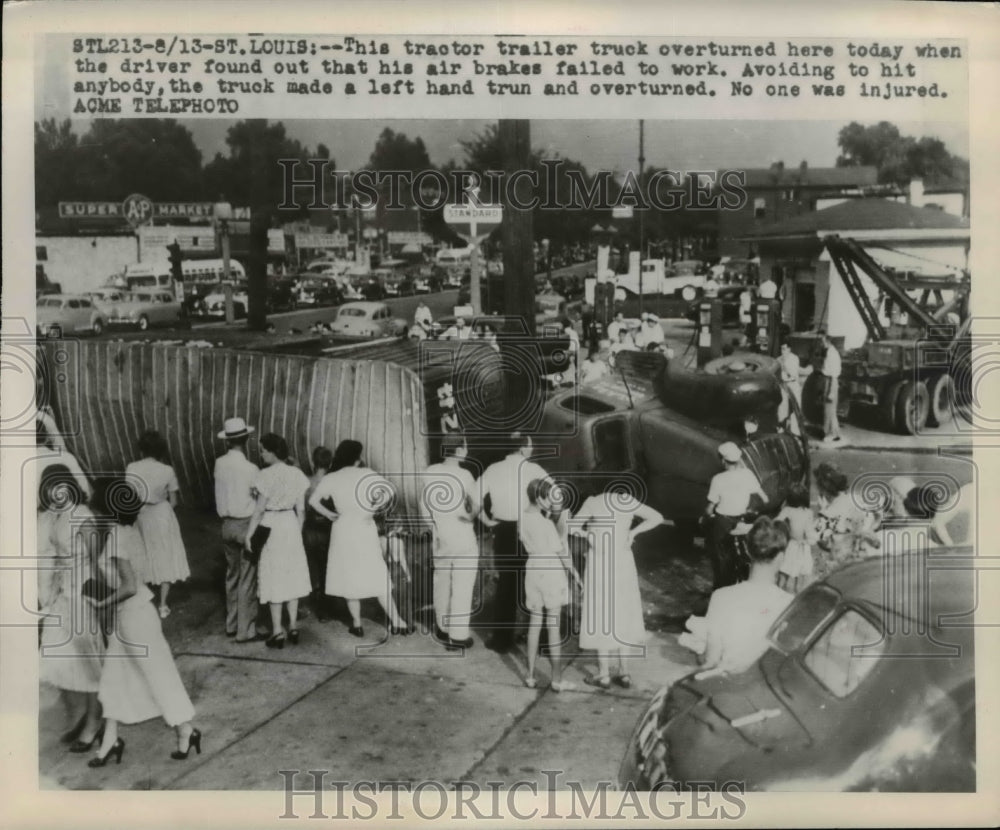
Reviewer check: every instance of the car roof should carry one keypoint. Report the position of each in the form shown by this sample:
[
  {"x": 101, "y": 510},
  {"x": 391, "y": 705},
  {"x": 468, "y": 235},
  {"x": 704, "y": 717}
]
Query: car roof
[
  {"x": 912, "y": 585},
  {"x": 367, "y": 305}
]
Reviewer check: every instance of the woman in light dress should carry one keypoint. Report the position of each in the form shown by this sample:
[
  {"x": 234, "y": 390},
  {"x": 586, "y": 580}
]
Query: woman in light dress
[
  {"x": 164, "y": 560},
  {"x": 611, "y": 617},
  {"x": 140, "y": 680},
  {"x": 355, "y": 569},
  {"x": 72, "y": 645},
  {"x": 283, "y": 571},
  {"x": 845, "y": 531}
]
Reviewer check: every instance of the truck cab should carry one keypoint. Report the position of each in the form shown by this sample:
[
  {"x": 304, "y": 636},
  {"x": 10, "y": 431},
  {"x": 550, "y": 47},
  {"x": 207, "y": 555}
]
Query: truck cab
[{"x": 664, "y": 424}]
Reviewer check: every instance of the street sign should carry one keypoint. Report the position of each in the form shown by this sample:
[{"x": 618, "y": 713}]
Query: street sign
[
  {"x": 473, "y": 222},
  {"x": 320, "y": 240}
]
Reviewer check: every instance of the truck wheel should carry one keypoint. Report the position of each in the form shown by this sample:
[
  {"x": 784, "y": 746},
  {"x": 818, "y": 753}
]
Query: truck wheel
[
  {"x": 912, "y": 407},
  {"x": 942, "y": 400},
  {"x": 752, "y": 362},
  {"x": 887, "y": 405},
  {"x": 98, "y": 327},
  {"x": 689, "y": 293},
  {"x": 143, "y": 323}
]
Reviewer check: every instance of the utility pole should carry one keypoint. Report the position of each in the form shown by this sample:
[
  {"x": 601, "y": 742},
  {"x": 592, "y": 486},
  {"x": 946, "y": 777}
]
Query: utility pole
[
  {"x": 521, "y": 362},
  {"x": 260, "y": 224},
  {"x": 518, "y": 228},
  {"x": 639, "y": 210}
]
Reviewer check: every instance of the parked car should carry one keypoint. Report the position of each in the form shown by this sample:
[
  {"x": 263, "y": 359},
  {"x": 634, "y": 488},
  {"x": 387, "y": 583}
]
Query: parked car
[
  {"x": 319, "y": 291},
  {"x": 367, "y": 319},
  {"x": 61, "y": 314},
  {"x": 106, "y": 298},
  {"x": 868, "y": 684},
  {"x": 215, "y": 301},
  {"x": 282, "y": 295},
  {"x": 147, "y": 308}
]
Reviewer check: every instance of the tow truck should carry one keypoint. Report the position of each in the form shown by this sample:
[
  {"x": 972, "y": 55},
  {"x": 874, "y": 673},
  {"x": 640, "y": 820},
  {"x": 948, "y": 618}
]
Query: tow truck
[{"x": 910, "y": 371}]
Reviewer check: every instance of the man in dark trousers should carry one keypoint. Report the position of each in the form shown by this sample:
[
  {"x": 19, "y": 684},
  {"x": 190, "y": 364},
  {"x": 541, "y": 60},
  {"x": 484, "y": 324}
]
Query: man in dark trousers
[
  {"x": 234, "y": 502},
  {"x": 505, "y": 496}
]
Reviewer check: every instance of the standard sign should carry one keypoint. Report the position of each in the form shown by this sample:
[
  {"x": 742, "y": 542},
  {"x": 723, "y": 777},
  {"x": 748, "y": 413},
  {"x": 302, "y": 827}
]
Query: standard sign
[
  {"x": 473, "y": 222},
  {"x": 467, "y": 215}
]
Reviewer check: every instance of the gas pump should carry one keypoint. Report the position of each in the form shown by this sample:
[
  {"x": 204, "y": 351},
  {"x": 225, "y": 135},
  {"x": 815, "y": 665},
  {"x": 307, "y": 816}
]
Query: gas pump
[
  {"x": 767, "y": 322},
  {"x": 709, "y": 330}
]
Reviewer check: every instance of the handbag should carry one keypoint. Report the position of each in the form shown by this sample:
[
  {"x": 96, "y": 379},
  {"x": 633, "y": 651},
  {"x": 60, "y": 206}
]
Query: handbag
[{"x": 257, "y": 542}]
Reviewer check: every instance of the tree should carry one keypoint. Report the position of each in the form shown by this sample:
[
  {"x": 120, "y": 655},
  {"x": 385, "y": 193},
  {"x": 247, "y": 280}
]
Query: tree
[
  {"x": 898, "y": 158},
  {"x": 394, "y": 151},
  {"x": 155, "y": 157},
  {"x": 56, "y": 148},
  {"x": 561, "y": 226},
  {"x": 250, "y": 174}
]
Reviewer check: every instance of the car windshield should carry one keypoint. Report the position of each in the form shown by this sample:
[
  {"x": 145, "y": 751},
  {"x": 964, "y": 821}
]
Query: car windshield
[
  {"x": 352, "y": 312},
  {"x": 845, "y": 653},
  {"x": 803, "y": 617}
]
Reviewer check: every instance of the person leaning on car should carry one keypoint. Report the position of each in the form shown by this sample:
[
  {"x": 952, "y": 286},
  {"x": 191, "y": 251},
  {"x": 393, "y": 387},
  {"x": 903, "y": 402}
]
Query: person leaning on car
[{"x": 729, "y": 497}]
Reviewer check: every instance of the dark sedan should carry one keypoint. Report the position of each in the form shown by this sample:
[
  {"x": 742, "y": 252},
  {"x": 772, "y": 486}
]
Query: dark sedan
[{"x": 868, "y": 685}]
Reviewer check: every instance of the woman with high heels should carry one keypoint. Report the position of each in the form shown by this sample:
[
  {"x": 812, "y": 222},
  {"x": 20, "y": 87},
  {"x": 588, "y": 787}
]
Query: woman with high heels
[
  {"x": 139, "y": 680},
  {"x": 355, "y": 567},
  {"x": 71, "y": 646},
  {"x": 283, "y": 571},
  {"x": 164, "y": 560}
]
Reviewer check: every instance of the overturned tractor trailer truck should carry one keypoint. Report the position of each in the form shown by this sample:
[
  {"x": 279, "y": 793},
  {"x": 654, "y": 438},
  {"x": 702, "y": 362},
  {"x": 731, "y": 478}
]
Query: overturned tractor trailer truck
[{"x": 663, "y": 424}]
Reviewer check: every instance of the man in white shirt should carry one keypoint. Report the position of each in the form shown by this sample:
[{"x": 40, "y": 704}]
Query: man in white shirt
[
  {"x": 451, "y": 502},
  {"x": 505, "y": 498},
  {"x": 624, "y": 344},
  {"x": 650, "y": 334},
  {"x": 615, "y": 326},
  {"x": 768, "y": 289},
  {"x": 729, "y": 497},
  {"x": 739, "y": 616},
  {"x": 831, "y": 374},
  {"x": 423, "y": 321},
  {"x": 459, "y": 331},
  {"x": 234, "y": 502}
]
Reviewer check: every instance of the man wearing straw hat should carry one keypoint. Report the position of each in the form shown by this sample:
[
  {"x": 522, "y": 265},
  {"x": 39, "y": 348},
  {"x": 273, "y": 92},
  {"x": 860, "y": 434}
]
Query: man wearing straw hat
[{"x": 234, "y": 502}]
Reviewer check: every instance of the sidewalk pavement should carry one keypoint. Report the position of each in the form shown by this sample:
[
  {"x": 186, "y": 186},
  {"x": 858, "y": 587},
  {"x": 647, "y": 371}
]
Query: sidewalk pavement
[{"x": 380, "y": 709}]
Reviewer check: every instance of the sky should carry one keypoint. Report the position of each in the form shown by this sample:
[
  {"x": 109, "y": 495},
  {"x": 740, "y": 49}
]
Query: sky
[{"x": 601, "y": 145}]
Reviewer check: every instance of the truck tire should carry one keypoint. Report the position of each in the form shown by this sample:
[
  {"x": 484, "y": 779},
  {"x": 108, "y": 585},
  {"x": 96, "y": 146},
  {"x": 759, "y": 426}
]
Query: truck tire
[
  {"x": 752, "y": 362},
  {"x": 912, "y": 407},
  {"x": 689, "y": 293},
  {"x": 887, "y": 405},
  {"x": 942, "y": 400},
  {"x": 143, "y": 323}
]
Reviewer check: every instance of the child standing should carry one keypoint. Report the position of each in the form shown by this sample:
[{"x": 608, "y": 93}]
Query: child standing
[
  {"x": 796, "y": 569},
  {"x": 546, "y": 587},
  {"x": 156, "y": 482}
]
